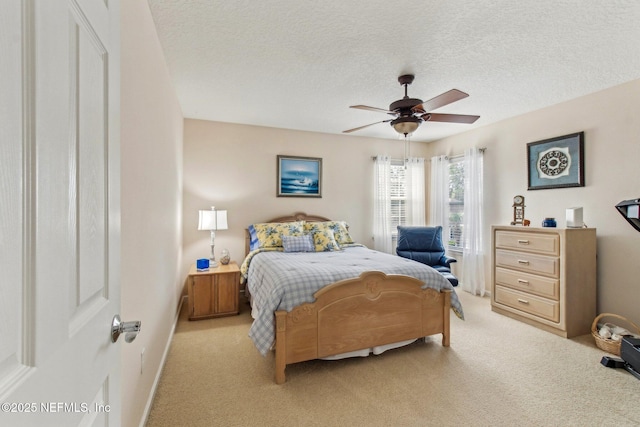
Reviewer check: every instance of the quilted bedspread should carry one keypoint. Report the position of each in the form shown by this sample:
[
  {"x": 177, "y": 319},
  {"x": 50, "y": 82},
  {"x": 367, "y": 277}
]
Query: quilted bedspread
[{"x": 281, "y": 281}]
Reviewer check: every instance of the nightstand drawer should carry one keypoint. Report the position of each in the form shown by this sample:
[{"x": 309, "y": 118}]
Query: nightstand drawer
[
  {"x": 542, "y": 286},
  {"x": 548, "y": 244},
  {"x": 531, "y": 263},
  {"x": 528, "y": 303}
]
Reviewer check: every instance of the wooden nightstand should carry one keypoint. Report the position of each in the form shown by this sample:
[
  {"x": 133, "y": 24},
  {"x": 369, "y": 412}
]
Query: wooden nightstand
[{"x": 213, "y": 293}]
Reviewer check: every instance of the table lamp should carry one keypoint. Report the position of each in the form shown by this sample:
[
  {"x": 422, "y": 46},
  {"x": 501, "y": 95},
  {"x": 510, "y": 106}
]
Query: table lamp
[{"x": 212, "y": 220}]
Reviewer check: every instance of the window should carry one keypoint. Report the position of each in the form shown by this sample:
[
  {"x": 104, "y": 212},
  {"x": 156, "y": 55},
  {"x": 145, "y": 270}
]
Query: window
[
  {"x": 398, "y": 198},
  {"x": 398, "y": 194},
  {"x": 456, "y": 203}
]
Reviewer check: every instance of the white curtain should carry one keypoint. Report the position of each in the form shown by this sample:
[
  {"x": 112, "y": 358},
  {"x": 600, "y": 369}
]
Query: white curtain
[
  {"x": 415, "y": 191},
  {"x": 439, "y": 198},
  {"x": 382, "y": 205},
  {"x": 473, "y": 255}
]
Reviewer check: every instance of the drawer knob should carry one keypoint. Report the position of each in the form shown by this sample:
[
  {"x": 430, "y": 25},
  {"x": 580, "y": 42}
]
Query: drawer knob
[
  {"x": 526, "y": 282},
  {"x": 523, "y": 301},
  {"x": 523, "y": 242},
  {"x": 523, "y": 261}
]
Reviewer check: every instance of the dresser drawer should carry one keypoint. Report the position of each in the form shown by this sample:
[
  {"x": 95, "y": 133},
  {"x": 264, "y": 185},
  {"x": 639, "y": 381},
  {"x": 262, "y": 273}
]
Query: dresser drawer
[
  {"x": 531, "y": 263},
  {"x": 543, "y": 286},
  {"x": 528, "y": 303},
  {"x": 548, "y": 244}
]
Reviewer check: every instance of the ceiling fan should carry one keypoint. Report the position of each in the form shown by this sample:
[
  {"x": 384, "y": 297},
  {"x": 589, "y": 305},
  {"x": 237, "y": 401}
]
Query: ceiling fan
[{"x": 410, "y": 112}]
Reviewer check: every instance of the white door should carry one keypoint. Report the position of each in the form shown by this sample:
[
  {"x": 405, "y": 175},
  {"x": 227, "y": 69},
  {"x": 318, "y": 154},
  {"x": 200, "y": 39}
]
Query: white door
[{"x": 59, "y": 212}]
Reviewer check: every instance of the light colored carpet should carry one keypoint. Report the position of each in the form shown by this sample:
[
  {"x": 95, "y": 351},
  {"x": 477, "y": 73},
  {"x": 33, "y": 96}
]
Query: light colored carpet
[{"x": 497, "y": 372}]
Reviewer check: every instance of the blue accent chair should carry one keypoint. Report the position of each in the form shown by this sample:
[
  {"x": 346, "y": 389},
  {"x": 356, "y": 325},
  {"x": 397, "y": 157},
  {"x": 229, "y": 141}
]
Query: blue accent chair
[{"x": 424, "y": 244}]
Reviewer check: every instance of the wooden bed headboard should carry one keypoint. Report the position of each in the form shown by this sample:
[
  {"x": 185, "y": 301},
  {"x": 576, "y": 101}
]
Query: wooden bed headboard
[{"x": 298, "y": 216}]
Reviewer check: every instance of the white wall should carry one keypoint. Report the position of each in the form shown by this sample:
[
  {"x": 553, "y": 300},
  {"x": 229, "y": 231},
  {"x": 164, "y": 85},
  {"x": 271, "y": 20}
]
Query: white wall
[
  {"x": 152, "y": 133},
  {"x": 612, "y": 154},
  {"x": 234, "y": 167}
]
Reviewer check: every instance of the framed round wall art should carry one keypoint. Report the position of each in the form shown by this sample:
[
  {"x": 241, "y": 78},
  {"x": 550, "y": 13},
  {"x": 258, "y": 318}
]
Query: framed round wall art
[{"x": 556, "y": 162}]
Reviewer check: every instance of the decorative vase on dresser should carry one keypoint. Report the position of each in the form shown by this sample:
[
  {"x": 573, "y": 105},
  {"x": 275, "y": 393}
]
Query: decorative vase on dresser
[{"x": 545, "y": 277}]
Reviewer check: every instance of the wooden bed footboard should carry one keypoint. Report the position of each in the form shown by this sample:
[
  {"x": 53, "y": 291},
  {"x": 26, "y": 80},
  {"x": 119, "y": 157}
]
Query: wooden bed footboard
[{"x": 371, "y": 310}]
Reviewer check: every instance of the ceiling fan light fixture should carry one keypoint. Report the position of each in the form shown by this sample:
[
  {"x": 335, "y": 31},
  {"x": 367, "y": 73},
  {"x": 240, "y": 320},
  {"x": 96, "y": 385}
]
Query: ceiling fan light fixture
[
  {"x": 406, "y": 125},
  {"x": 410, "y": 112}
]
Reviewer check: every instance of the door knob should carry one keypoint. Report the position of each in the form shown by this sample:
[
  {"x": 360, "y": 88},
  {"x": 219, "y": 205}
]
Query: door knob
[{"x": 130, "y": 329}]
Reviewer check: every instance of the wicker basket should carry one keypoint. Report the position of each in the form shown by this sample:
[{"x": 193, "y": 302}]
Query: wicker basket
[{"x": 607, "y": 344}]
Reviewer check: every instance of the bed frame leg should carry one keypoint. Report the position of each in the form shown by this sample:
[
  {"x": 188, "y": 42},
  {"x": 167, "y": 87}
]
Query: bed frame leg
[
  {"x": 281, "y": 348},
  {"x": 446, "y": 319}
]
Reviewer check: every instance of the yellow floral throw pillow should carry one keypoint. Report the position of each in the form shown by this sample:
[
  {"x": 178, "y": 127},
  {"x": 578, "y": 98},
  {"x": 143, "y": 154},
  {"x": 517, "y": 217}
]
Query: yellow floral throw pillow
[
  {"x": 324, "y": 238},
  {"x": 269, "y": 235},
  {"x": 325, "y": 242},
  {"x": 340, "y": 230}
]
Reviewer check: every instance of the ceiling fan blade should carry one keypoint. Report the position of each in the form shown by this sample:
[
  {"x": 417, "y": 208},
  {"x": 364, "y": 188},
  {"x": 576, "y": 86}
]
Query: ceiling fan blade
[
  {"x": 366, "y": 107},
  {"x": 440, "y": 101},
  {"x": 365, "y": 126},
  {"x": 449, "y": 118}
]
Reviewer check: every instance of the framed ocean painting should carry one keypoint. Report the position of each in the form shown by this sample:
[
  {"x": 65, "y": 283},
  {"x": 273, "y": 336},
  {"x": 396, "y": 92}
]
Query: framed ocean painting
[{"x": 299, "y": 176}]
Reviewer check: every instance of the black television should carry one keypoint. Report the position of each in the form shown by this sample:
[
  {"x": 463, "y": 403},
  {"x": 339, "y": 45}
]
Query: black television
[{"x": 630, "y": 210}]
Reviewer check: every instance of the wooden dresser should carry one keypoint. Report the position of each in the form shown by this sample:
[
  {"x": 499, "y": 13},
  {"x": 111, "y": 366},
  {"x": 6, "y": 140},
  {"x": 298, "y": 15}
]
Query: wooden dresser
[{"x": 545, "y": 277}]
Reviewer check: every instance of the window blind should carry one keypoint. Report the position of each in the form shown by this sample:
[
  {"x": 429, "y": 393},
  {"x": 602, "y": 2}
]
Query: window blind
[
  {"x": 398, "y": 196},
  {"x": 456, "y": 203}
]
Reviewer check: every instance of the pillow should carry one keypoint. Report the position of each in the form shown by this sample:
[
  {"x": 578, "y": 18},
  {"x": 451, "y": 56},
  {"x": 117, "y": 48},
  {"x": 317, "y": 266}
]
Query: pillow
[
  {"x": 254, "y": 243},
  {"x": 325, "y": 241},
  {"x": 302, "y": 243},
  {"x": 269, "y": 235},
  {"x": 340, "y": 230}
]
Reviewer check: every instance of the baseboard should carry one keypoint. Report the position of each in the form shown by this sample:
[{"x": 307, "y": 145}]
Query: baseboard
[{"x": 156, "y": 381}]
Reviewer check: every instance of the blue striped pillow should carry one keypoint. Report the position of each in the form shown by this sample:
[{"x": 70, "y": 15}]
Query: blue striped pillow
[{"x": 254, "y": 243}]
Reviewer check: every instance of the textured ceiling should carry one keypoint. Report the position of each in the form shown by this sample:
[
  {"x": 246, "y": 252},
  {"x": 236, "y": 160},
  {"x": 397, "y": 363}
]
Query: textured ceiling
[{"x": 299, "y": 64}]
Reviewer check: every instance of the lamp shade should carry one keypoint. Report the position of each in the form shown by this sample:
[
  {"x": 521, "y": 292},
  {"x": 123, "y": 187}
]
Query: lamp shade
[
  {"x": 212, "y": 220},
  {"x": 630, "y": 210}
]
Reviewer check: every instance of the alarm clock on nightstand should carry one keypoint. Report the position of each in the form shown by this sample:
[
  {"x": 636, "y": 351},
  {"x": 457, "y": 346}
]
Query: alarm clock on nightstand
[{"x": 518, "y": 210}]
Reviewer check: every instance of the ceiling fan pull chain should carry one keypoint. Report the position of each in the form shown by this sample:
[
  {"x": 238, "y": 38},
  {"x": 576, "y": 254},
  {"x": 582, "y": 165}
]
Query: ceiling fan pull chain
[{"x": 407, "y": 149}]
